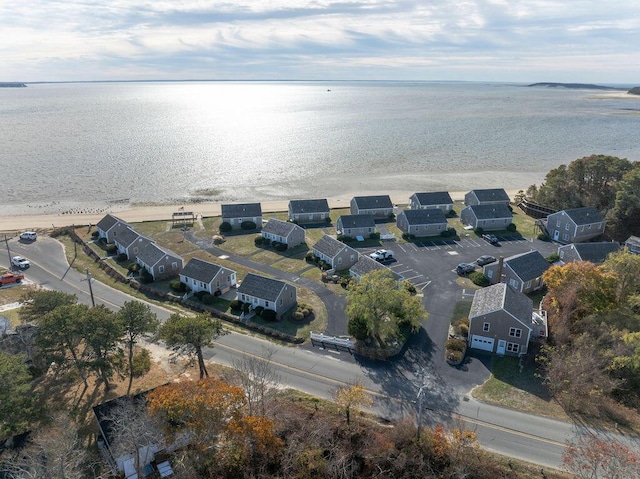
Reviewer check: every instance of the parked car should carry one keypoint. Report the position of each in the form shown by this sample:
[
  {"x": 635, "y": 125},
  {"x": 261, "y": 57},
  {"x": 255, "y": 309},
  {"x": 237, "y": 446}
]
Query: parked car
[
  {"x": 485, "y": 259},
  {"x": 381, "y": 255},
  {"x": 10, "y": 278},
  {"x": 20, "y": 262},
  {"x": 493, "y": 239},
  {"x": 465, "y": 268},
  {"x": 28, "y": 236}
]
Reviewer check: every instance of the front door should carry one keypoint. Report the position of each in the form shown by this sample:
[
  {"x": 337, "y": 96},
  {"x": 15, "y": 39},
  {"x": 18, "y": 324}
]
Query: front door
[
  {"x": 502, "y": 344},
  {"x": 556, "y": 235}
]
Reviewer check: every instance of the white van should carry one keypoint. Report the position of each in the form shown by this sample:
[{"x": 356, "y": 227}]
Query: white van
[{"x": 28, "y": 236}]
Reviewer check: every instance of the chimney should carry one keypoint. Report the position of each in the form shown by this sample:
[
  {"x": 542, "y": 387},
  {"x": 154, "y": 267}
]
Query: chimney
[{"x": 500, "y": 266}]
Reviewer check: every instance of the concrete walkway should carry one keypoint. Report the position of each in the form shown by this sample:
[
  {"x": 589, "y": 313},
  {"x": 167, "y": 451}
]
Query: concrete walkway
[{"x": 335, "y": 304}]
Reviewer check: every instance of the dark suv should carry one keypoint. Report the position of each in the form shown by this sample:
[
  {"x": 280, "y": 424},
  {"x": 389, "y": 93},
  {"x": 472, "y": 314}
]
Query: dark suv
[
  {"x": 465, "y": 268},
  {"x": 493, "y": 239}
]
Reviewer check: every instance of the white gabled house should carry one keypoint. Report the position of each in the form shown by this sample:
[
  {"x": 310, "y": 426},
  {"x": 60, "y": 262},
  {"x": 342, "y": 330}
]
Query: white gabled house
[
  {"x": 269, "y": 293},
  {"x": 200, "y": 275}
]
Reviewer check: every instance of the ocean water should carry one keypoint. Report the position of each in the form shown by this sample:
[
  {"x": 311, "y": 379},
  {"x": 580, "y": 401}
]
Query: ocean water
[{"x": 101, "y": 144}]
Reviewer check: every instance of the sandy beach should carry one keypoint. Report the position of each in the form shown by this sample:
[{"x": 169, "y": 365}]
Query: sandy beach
[{"x": 136, "y": 214}]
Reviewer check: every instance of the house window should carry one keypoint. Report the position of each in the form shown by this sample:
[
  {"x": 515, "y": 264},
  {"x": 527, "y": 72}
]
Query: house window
[
  {"x": 588, "y": 228},
  {"x": 244, "y": 298},
  {"x": 161, "y": 269},
  {"x": 280, "y": 301},
  {"x": 174, "y": 266},
  {"x": 514, "y": 284},
  {"x": 582, "y": 228},
  {"x": 266, "y": 304},
  {"x": 558, "y": 223},
  {"x": 486, "y": 327},
  {"x": 566, "y": 227},
  {"x": 489, "y": 274},
  {"x": 565, "y": 237},
  {"x": 339, "y": 260},
  {"x": 515, "y": 332},
  {"x": 135, "y": 250},
  {"x": 513, "y": 347},
  {"x": 561, "y": 254},
  {"x": 352, "y": 258}
]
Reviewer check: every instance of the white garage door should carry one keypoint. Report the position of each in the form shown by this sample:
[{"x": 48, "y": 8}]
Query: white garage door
[{"x": 481, "y": 342}]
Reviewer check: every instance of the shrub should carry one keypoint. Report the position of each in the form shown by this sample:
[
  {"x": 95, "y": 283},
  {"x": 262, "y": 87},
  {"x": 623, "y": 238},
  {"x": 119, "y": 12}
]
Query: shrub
[
  {"x": 409, "y": 287},
  {"x": 122, "y": 257},
  {"x": 133, "y": 267},
  {"x": 269, "y": 315},
  {"x": 207, "y": 299},
  {"x": 236, "y": 305},
  {"x": 177, "y": 285},
  {"x": 358, "y": 328},
  {"x": 298, "y": 316},
  {"x": 452, "y": 213},
  {"x": 479, "y": 279},
  {"x": 391, "y": 216},
  {"x": 305, "y": 312},
  {"x": 479, "y": 231},
  {"x": 512, "y": 227},
  {"x": 281, "y": 247},
  {"x": 374, "y": 236},
  {"x": 553, "y": 257},
  {"x": 145, "y": 276},
  {"x": 246, "y": 307},
  {"x": 543, "y": 237},
  {"x": 464, "y": 330},
  {"x": 456, "y": 344},
  {"x": 248, "y": 225},
  {"x": 111, "y": 248},
  {"x": 310, "y": 257},
  {"x": 327, "y": 220},
  {"x": 225, "y": 227},
  {"x": 95, "y": 234},
  {"x": 258, "y": 240},
  {"x": 448, "y": 233},
  {"x": 455, "y": 356},
  {"x": 259, "y": 310}
]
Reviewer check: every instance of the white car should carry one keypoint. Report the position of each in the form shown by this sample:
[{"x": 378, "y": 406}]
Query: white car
[
  {"x": 21, "y": 262},
  {"x": 28, "y": 236},
  {"x": 381, "y": 255}
]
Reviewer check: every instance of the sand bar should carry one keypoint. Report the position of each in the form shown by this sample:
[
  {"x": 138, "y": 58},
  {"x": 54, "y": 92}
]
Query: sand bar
[{"x": 137, "y": 214}]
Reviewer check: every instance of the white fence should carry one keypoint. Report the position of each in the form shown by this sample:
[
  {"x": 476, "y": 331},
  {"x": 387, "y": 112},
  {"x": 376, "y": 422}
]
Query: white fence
[{"x": 337, "y": 342}]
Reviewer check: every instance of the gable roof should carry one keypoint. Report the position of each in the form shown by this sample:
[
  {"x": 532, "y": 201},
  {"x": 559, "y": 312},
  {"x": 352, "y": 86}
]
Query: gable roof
[
  {"x": 632, "y": 241},
  {"x": 373, "y": 202},
  {"x": 584, "y": 216},
  {"x": 125, "y": 235},
  {"x": 357, "y": 221},
  {"x": 279, "y": 227},
  {"x": 261, "y": 287},
  {"x": 424, "y": 217},
  {"x": 329, "y": 246},
  {"x": 493, "y": 194},
  {"x": 434, "y": 198},
  {"x": 366, "y": 265},
  {"x": 491, "y": 211},
  {"x": 202, "y": 270},
  {"x": 502, "y": 296},
  {"x": 595, "y": 253},
  {"x": 108, "y": 222},
  {"x": 151, "y": 253},
  {"x": 309, "y": 206},
  {"x": 241, "y": 210},
  {"x": 528, "y": 265}
]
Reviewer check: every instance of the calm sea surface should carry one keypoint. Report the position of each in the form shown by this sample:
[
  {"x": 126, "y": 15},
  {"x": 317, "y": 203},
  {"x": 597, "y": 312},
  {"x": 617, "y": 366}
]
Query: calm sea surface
[{"x": 99, "y": 143}]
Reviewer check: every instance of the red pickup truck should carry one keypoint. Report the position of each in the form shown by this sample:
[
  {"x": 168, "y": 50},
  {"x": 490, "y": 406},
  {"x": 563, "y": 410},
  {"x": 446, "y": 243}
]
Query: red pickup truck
[{"x": 10, "y": 278}]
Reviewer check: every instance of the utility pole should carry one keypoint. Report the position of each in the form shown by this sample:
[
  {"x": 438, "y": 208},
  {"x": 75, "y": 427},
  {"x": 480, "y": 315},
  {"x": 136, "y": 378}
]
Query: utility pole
[
  {"x": 93, "y": 302},
  {"x": 421, "y": 394},
  {"x": 6, "y": 242}
]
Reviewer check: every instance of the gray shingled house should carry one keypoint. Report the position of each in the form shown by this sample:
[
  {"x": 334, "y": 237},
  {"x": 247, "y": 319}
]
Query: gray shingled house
[
  {"x": 523, "y": 272},
  {"x": 633, "y": 244},
  {"x": 595, "y": 253},
  {"x": 366, "y": 265},
  {"x": 200, "y": 275},
  {"x": 500, "y": 320},
  {"x": 337, "y": 254},
  {"x": 433, "y": 199},
  {"x": 309, "y": 211},
  {"x": 236, "y": 214},
  {"x": 283, "y": 232},
  {"x": 490, "y": 217},
  {"x": 492, "y": 196},
  {"x": 160, "y": 263},
  {"x": 128, "y": 241},
  {"x": 379, "y": 206},
  {"x": 353, "y": 226},
  {"x": 575, "y": 225},
  {"x": 426, "y": 222},
  {"x": 107, "y": 225},
  {"x": 273, "y": 294}
]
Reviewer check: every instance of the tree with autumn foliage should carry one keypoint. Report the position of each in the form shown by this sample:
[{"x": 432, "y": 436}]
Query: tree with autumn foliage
[
  {"x": 352, "y": 396},
  {"x": 188, "y": 335}
]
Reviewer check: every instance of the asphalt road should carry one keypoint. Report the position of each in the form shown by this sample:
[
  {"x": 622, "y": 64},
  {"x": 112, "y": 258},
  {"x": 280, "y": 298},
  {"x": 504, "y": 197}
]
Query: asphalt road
[{"x": 393, "y": 385}]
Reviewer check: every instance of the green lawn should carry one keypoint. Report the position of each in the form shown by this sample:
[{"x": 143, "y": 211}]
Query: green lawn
[{"x": 460, "y": 310}]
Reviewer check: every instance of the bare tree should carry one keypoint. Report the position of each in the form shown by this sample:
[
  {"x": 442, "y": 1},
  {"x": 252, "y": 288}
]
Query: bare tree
[
  {"x": 53, "y": 452},
  {"x": 257, "y": 377},
  {"x": 134, "y": 431}
]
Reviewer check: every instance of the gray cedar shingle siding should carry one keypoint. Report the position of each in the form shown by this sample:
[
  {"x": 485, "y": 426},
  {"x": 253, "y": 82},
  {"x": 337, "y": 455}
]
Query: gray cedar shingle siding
[
  {"x": 268, "y": 293},
  {"x": 335, "y": 253},
  {"x": 199, "y": 275},
  {"x": 575, "y": 225},
  {"x": 124, "y": 237},
  {"x": 595, "y": 253},
  {"x": 497, "y": 309},
  {"x": 633, "y": 244},
  {"x": 309, "y": 211},
  {"x": 491, "y": 217},
  {"x": 284, "y": 232},
  {"x": 434, "y": 199},
  {"x": 380, "y": 205},
  {"x": 424, "y": 222},
  {"x": 356, "y": 225},
  {"x": 523, "y": 271},
  {"x": 367, "y": 265},
  {"x": 160, "y": 263},
  {"x": 106, "y": 226},
  {"x": 236, "y": 214},
  {"x": 486, "y": 196}
]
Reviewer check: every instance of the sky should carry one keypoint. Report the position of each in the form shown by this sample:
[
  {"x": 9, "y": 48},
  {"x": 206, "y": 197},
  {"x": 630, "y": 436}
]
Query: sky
[{"x": 586, "y": 41}]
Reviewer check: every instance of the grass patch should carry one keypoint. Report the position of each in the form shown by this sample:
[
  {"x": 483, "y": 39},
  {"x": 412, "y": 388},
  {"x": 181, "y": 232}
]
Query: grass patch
[
  {"x": 525, "y": 225},
  {"x": 290, "y": 265},
  {"x": 12, "y": 294},
  {"x": 151, "y": 228},
  {"x": 510, "y": 387},
  {"x": 241, "y": 244},
  {"x": 460, "y": 310}
]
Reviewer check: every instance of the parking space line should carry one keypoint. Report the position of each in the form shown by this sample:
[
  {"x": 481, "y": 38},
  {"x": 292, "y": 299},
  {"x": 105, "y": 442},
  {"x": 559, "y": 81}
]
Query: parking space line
[
  {"x": 413, "y": 277},
  {"x": 400, "y": 246},
  {"x": 425, "y": 285}
]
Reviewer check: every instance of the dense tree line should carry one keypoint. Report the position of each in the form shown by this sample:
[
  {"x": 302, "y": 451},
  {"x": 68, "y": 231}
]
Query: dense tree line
[
  {"x": 592, "y": 363},
  {"x": 608, "y": 183}
]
